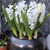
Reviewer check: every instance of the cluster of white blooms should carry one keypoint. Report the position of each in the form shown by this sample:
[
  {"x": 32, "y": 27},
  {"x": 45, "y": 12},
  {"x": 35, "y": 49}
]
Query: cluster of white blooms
[
  {"x": 41, "y": 8},
  {"x": 33, "y": 12},
  {"x": 20, "y": 6},
  {"x": 10, "y": 11}
]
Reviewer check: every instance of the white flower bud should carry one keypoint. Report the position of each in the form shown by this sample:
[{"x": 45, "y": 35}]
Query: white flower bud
[{"x": 10, "y": 6}]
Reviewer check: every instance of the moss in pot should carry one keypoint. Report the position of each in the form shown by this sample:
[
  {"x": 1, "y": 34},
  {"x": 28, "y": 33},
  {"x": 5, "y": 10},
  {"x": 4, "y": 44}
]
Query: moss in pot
[{"x": 27, "y": 19}]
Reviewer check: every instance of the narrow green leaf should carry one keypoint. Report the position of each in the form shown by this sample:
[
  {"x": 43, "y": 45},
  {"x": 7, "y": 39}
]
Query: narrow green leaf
[
  {"x": 14, "y": 18},
  {"x": 6, "y": 15},
  {"x": 14, "y": 5},
  {"x": 37, "y": 22},
  {"x": 17, "y": 25},
  {"x": 25, "y": 21},
  {"x": 22, "y": 27},
  {"x": 11, "y": 23},
  {"x": 5, "y": 43},
  {"x": 21, "y": 31},
  {"x": 36, "y": 33},
  {"x": 43, "y": 20},
  {"x": 18, "y": 22},
  {"x": 37, "y": 19}
]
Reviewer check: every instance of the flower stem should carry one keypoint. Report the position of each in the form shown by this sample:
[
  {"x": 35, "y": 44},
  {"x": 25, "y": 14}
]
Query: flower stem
[
  {"x": 14, "y": 31},
  {"x": 29, "y": 37},
  {"x": 36, "y": 31},
  {"x": 21, "y": 35}
]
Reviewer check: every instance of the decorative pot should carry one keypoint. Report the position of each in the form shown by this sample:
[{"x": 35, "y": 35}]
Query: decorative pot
[
  {"x": 5, "y": 48},
  {"x": 18, "y": 44}
]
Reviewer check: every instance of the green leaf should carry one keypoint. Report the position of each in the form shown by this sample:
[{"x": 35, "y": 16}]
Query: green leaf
[
  {"x": 15, "y": 20},
  {"x": 5, "y": 13},
  {"x": 22, "y": 27},
  {"x": 14, "y": 5},
  {"x": 5, "y": 43},
  {"x": 14, "y": 17},
  {"x": 37, "y": 22},
  {"x": 37, "y": 19},
  {"x": 18, "y": 25},
  {"x": 0, "y": 42},
  {"x": 36, "y": 33},
  {"x": 11, "y": 23},
  {"x": 18, "y": 22},
  {"x": 43, "y": 21},
  {"x": 25, "y": 21}
]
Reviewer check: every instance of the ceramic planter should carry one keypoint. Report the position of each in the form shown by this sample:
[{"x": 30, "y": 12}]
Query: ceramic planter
[
  {"x": 5, "y": 48},
  {"x": 18, "y": 44}
]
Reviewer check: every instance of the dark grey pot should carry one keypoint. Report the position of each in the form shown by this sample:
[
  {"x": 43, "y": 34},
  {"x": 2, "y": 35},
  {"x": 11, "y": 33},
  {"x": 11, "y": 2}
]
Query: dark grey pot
[{"x": 18, "y": 44}]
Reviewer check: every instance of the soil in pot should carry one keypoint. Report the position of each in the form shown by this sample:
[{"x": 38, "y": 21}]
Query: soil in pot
[
  {"x": 5, "y": 48},
  {"x": 25, "y": 44}
]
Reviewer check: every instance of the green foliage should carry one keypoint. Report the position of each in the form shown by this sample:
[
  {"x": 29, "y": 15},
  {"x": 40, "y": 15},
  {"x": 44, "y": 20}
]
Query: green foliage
[
  {"x": 4, "y": 41},
  {"x": 25, "y": 21},
  {"x": 18, "y": 25},
  {"x": 37, "y": 19},
  {"x": 48, "y": 15},
  {"x": 23, "y": 26},
  {"x": 11, "y": 23}
]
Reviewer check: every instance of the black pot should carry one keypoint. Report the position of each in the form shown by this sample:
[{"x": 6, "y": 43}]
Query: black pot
[{"x": 18, "y": 44}]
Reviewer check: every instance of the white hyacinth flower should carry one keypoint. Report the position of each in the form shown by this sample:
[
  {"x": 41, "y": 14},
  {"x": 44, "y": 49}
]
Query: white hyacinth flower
[
  {"x": 41, "y": 8},
  {"x": 10, "y": 12},
  {"x": 32, "y": 14},
  {"x": 33, "y": 4},
  {"x": 20, "y": 6},
  {"x": 10, "y": 6}
]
